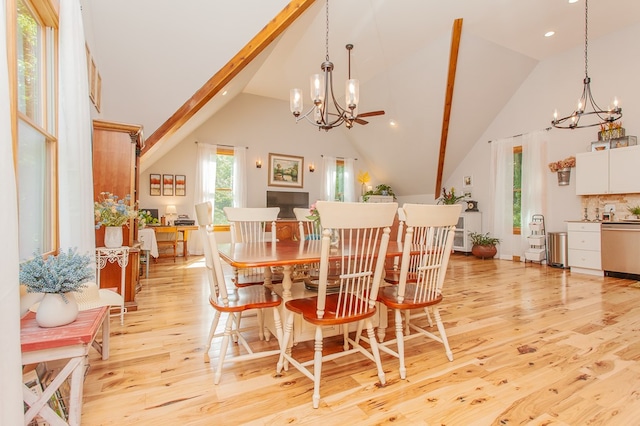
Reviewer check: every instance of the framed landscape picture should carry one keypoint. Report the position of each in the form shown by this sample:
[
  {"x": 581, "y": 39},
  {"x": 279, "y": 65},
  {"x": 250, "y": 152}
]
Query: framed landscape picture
[
  {"x": 286, "y": 170},
  {"x": 167, "y": 184},
  {"x": 154, "y": 184},
  {"x": 181, "y": 185}
]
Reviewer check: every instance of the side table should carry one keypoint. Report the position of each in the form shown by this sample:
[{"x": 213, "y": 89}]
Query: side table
[
  {"x": 111, "y": 255},
  {"x": 69, "y": 342}
]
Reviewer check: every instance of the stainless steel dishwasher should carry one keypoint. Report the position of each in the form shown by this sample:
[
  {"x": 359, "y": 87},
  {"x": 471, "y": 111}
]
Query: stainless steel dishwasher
[{"x": 620, "y": 243}]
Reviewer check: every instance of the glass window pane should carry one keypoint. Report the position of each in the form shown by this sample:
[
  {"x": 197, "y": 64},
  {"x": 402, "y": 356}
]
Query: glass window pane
[
  {"x": 29, "y": 48},
  {"x": 35, "y": 198},
  {"x": 224, "y": 184}
]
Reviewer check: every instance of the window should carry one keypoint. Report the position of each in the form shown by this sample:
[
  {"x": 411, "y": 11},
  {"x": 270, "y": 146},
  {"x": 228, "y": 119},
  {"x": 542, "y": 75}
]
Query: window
[
  {"x": 35, "y": 62},
  {"x": 339, "y": 180},
  {"x": 224, "y": 186},
  {"x": 517, "y": 189}
]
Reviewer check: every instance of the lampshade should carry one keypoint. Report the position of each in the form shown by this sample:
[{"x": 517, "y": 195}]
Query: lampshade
[{"x": 171, "y": 210}]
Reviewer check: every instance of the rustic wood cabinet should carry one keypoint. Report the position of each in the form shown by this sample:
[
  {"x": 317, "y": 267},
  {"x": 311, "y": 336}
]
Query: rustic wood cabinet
[{"x": 116, "y": 160}]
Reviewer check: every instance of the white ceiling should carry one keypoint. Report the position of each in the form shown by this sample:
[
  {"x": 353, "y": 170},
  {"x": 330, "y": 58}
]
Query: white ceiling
[{"x": 401, "y": 57}]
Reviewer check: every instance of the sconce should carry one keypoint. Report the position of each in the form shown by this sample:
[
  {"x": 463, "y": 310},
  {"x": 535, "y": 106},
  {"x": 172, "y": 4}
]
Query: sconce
[
  {"x": 312, "y": 168},
  {"x": 258, "y": 163}
]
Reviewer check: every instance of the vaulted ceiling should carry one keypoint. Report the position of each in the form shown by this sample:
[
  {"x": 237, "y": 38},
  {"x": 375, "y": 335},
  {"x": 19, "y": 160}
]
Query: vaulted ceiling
[{"x": 154, "y": 55}]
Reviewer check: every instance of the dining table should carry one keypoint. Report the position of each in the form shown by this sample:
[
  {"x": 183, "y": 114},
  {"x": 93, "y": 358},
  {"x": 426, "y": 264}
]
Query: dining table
[{"x": 287, "y": 255}]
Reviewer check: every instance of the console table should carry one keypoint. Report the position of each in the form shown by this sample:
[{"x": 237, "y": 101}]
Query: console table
[
  {"x": 72, "y": 342},
  {"x": 112, "y": 255}
]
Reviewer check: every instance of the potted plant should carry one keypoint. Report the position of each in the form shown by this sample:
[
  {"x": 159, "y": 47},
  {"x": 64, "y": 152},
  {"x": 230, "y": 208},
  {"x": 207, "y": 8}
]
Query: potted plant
[
  {"x": 563, "y": 168},
  {"x": 483, "y": 245},
  {"x": 634, "y": 210},
  {"x": 56, "y": 277},
  {"x": 381, "y": 189},
  {"x": 449, "y": 197},
  {"x": 113, "y": 212}
]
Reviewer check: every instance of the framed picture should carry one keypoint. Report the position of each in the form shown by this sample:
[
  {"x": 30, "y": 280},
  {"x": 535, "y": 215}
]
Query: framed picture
[
  {"x": 167, "y": 184},
  {"x": 467, "y": 182},
  {"x": 92, "y": 81},
  {"x": 98, "y": 91},
  {"x": 600, "y": 145},
  {"x": 286, "y": 170},
  {"x": 181, "y": 185},
  {"x": 154, "y": 184}
]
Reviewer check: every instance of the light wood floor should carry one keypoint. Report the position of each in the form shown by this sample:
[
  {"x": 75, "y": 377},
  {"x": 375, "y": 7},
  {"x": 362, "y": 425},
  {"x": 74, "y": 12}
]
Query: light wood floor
[{"x": 532, "y": 344}]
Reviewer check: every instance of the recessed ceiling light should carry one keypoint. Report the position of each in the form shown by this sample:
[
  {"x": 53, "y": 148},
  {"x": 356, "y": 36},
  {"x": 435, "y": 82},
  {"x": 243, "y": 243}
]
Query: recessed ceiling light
[
  {"x": 573, "y": 1},
  {"x": 549, "y": 33},
  {"x": 393, "y": 123},
  {"x": 224, "y": 93}
]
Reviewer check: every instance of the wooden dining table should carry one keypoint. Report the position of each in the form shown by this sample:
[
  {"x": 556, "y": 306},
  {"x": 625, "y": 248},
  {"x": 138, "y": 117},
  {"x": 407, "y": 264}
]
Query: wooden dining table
[{"x": 283, "y": 254}]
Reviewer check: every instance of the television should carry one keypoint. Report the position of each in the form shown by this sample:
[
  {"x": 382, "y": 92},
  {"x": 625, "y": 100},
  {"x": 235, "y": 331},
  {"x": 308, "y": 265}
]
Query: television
[{"x": 287, "y": 201}]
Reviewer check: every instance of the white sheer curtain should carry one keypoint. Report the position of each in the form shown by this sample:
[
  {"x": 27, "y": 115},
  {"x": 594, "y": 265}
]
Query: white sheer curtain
[
  {"x": 205, "y": 186},
  {"x": 349, "y": 180},
  {"x": 328, "y": 178},
  {"x": 240, "y": 176},
  {"x": 534, "y": 153},
  {"x": 11, "y": 412},
  {"x": 502, "y": 195},
  {"x": 75, "y": 172}
]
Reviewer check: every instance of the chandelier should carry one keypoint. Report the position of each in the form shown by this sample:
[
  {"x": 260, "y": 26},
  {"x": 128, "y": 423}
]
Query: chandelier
[
  {"x": 594, "y": 116},
  {"x": 326, "y": 113}
]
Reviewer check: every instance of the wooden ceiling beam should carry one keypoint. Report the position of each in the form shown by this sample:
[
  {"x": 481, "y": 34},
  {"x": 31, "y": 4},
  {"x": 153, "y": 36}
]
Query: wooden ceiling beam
[
  {"x": 250, "y": 51},
  {"x": 448, "y": 98}
]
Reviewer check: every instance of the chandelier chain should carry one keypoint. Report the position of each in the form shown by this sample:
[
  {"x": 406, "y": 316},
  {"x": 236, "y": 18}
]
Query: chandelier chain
[
  {"x": 326, "y": 40},
  {"x": 586, "y": 37}
]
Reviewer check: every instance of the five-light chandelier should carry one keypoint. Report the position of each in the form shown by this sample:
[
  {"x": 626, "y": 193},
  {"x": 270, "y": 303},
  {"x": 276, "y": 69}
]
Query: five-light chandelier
[
  {"x": 326, "y": 113},
  {"x": 595, "y": 116}
]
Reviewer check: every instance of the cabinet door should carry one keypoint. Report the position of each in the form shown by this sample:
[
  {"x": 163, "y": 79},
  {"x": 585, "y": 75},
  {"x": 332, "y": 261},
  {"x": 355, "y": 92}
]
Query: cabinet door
[
  {"x": 592, "y": 173},
  {"x": 624, "y": 170}
]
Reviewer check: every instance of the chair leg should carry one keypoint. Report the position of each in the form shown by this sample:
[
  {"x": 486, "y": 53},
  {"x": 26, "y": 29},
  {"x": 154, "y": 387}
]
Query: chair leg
[
  {"x": 212, "y": 332},
  {"x": 400, "y": 342},
  {"x": 261, "y": 333},
  {"x": 223, "y": 349},
  {"x": 375, "y": 351},
  {"x": 317, "y": 367},
  {"x": 443, "y": 334},
  {"x": 286, "y": 343}
]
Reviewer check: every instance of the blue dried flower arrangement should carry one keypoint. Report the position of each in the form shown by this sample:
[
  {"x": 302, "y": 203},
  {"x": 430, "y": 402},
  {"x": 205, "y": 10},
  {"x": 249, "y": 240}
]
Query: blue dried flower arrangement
[{"x": 57, "y": 274}]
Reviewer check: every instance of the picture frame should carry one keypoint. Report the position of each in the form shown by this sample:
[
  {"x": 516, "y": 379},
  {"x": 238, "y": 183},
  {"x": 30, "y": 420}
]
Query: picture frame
[
  {"x": 286, "y": 170},
  {"x": 600, "y": 145},
  {"x": 467, "y": 181},
  {"x": 181, "y": 185},
  {"x": 155, "y": 181},
  {"x": 98, "y": 91},
  {"x": 167, "y": 185},
  {"x": 92, "y": 81}
]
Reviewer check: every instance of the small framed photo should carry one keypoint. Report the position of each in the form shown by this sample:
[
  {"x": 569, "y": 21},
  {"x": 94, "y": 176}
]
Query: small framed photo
[
  {"x": 154, "y": 184},
  {"x": 167, "y": 185},
  {"x": 600, "y": 145},
  {"x": 92, "y": 81},
  {"x": 467, "y": 181},
  {"x": 286, "y": 170},
  {"x": 98, "y": 91},
  {"x": 181, "y": 185}
]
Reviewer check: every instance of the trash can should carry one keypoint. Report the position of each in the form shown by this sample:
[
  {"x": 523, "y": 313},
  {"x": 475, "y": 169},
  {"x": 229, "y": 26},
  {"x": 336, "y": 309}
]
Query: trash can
[{"x": 558, "y": 250}]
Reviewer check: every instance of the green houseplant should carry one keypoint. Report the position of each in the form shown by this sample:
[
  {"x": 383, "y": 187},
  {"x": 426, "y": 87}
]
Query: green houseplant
[
  {"x": 634, "y": 210},
  {"x": 56, "y": 277},
  {"x": 382, "y": 189},
  {"x": 483, "y": 245},
  {"x": 449, "y": 197}
]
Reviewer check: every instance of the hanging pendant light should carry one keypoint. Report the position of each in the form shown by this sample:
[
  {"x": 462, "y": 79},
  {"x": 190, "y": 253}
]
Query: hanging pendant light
[
  {"x": 588, "y": 110},
  {"x": 326, "y": 113}
]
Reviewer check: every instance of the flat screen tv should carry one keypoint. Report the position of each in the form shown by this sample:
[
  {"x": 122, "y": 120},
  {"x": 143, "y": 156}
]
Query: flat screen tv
[{"x": 287, "y": 201}]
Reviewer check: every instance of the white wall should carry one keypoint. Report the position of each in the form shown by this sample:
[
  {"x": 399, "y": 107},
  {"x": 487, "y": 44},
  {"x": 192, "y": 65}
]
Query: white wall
[
  {"x": 264, "y": 126},
  {"x": 557, "y": 83}
]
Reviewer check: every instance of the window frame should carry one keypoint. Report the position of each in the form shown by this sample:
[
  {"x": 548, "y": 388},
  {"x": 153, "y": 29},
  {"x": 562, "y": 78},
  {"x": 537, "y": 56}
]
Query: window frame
[
  {"x": 229, "y": 152},
  {"x": 517, "y": 166}
]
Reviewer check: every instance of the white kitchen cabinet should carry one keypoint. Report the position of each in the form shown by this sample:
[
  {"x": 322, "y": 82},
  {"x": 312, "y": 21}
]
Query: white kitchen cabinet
[
  {"x": 584, "y": 248},
  {"x": 614, "y": 171},
  {"x": 468, "y": 222}
]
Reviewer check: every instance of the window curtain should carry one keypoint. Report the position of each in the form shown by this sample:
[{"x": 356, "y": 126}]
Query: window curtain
[
  {"x": 502, "y": 195},
  {"x": 240, "y": 176},
  {"x": 534, "y": 153},
  {"x": 328, "y": 178},
  {"x": 205, "y": 186},
  {"x": 11, "y": 412},
  {"x": 349, "y": 180},
  {"x": 75, "y": 164}
]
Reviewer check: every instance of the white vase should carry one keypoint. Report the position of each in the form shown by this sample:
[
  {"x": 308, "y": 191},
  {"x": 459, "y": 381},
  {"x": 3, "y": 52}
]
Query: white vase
[
  {"x": 57, "y": 309},
  {"x": 113, "y": 236}
]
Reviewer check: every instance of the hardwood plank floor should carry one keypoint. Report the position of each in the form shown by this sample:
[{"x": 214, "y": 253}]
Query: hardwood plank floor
[{"x": 532, "y": 345}]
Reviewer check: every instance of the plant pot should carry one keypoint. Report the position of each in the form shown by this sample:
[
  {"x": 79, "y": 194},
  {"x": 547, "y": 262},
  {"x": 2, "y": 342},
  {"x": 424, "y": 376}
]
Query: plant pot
[
  {"x": 564, "y": 175},
  {"x": 484, "y": 252},
  {"x": 113, "y": 236},
  {"x": 57, "y": 309}
]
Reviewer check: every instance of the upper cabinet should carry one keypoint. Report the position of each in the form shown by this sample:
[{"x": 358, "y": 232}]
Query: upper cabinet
[{"x": 614, "y": 171}]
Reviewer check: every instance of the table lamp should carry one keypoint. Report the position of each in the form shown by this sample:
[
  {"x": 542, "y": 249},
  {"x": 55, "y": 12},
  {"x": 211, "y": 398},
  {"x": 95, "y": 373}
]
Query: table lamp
[{"x": 170, "y": 212}]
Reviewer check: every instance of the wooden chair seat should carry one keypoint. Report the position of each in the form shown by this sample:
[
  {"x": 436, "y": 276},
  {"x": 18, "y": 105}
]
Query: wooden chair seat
[
  {"x": 245, "y": 298},
  {"x": 389, "y": 296},
  {"x": 307, "y": 307}
]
